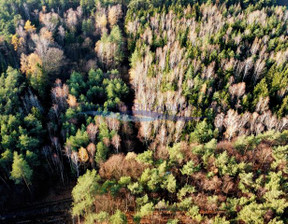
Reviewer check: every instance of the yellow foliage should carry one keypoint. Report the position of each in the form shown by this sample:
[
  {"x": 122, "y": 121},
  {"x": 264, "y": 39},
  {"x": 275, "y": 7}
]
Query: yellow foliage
[
  {"x": 21, "y": 41},
  {"x": 30, "y": 64},
  {"x": 203, "y": 92},
  {"x": 204, "y": 88},
  {"x": 72, "y": 101},
  {"x": 83, "y": 155},
  {"x": 132, "y": 74},
  {"x": 16, "y": 42},
  {"x": 102, "y": 21},
  {"x": 29, "y": 27}
]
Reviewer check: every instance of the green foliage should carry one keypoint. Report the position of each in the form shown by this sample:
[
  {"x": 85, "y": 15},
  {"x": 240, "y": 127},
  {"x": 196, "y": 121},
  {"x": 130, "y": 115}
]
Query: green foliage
[
  {"x": 187, "y": 189},
  {"x": 194, "y": 213},
  {"x": 170, "y": 183},
  {"x": 87, "y": 5},
  {"x": 10, "y": 88},
  {"x": 21, "y": 171},
  {"x": 241, "y": 143},
  {"x": 261, "y": 90},
  {"x": 252, "y": 213},
  {"x": 32, "y": 158},
  {"x": 146, "y": 210},
  {"x": 76, "y": 84},
  {"x": 111, "y": 45},
  {"x": 220, "y": 220},
  {"x": 83, "y": 193},
  {"x": 118, "y": 218},
  {"x": 176, "y": 154},
  {"x": 185, "y": 175},
  {"x": 80, "y": 139},
  {"x": 202, "y": 133},
  {"x": 6, "y": 159},
  {"x": 101, "y": 154},
  {"x": 102, "y": 217},
  {"x": 222, "y": 62},
  {"x": 21, "y": 133},
  {"x": 189, "y": 168},
  {"x": 124, "y": 181},
  {"x": 154, "y": 180},
  {"x": 116, "y": 89},
  {"x": 145, "y": 157},
  {"x": 135, "y": 188},
  {"x": 172, "y": 221},
  {"x": 142, "y": 201}
]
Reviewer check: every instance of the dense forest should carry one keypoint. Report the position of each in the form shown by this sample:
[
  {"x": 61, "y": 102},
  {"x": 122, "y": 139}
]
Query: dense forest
[{"x": 158, "y": 111}]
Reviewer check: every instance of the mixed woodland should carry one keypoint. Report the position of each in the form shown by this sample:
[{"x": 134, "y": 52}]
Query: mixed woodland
[{"x": 74, "y": 71}]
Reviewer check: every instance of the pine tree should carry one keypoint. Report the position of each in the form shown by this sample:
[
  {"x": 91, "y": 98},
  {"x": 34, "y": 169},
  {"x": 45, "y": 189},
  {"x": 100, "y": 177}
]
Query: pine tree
[
  {"x": 118, "y": 218},
  {"x": 101, "y": 153},
  {"x": 84, "y": 192},
  {"x": 202, "y": 133},
  {"x": 170, "y": 183},
  {"x": 21, "y": 171}
]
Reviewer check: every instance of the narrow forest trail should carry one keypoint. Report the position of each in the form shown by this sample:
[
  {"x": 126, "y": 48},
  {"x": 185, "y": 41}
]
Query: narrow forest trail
[
  {"x": 46, "y": 212},
  {"x": 125, "y": 75},
  {"x": 55, "y": 208}
]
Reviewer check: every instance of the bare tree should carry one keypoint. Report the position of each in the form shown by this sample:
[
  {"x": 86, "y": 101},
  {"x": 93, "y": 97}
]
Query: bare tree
[
  {"x": 50, "y": 20},
  {"x": 114, "y": 14},
  {"x": 53, "y": 60},
  {"x": 248, "y": 66},
  {"x": 259, "y": 69},
  {"x": 283, "y": 124},
  {"x": 113, "y": 123},
  {"x": 116, "y": 142},
  {"x": 219, "y": 121},
  {"x": 145, "y": 130},
  {"x": 270, "y": 121},
  {"x": 91, "y": 148},
  {"x": 72, "y": 19},
  {"x": 238, "y": 89},
  {"x": 163, "y": 134},
  {"x": 262, "y": 105},
  {"x": 30, "y": 100},
  {"x": 75, "y": 161},
  {"x": 101, "y": 22},
  {"x": 179, "y": 127},
  {"x": 92, "y": 131},
  {"x": 231, "y": 123},
  {"x": 60, "y": 94}
]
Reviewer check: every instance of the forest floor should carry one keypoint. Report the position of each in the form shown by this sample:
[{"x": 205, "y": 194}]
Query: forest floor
[
  {"x": 163, "y": 216},
  {"x": 53, "y": 208}
]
